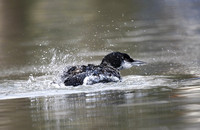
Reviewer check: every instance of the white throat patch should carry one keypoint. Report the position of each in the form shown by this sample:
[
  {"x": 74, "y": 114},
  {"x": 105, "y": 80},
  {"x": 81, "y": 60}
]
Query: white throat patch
[{"x": 126, "y": 65}]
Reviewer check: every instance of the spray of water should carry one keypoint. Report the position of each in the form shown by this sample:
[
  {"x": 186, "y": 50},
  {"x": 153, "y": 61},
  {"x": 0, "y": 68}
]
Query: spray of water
[{"x": 49, "y": 81}]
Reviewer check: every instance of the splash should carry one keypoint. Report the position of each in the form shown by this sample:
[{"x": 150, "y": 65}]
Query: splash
[
  {"x": 44, "y": 86},
  {"x": 45, "y": 81}
]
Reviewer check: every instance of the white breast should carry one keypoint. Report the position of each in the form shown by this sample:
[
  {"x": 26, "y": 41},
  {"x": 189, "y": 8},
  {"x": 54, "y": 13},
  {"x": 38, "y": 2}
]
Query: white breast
[{"x": 89, "y": 80}]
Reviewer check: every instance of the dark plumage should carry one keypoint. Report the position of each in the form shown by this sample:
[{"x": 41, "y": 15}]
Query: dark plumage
[{"x": 107, "y": 71}]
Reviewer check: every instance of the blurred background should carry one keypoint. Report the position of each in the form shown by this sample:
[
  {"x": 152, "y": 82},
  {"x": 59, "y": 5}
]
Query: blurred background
[
  {"x": 163, "y": 32},
  {"x": 38, "y": 38}
]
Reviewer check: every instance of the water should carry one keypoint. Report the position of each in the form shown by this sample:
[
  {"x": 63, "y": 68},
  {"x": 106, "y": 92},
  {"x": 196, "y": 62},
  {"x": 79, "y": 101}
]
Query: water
[{"x": 39, "y": 38}]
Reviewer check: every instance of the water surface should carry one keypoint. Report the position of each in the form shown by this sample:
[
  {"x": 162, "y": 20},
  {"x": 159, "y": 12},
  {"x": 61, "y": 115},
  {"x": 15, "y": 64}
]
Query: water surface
[{"x": 39, "y": 38}]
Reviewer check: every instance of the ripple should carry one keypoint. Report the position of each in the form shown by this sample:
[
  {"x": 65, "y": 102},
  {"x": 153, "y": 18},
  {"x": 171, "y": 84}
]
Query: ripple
[{"x": 44, "y": 86}]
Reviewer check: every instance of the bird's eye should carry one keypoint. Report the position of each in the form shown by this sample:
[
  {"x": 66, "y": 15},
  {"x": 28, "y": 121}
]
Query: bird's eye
[{"x": 129, "y": 59}]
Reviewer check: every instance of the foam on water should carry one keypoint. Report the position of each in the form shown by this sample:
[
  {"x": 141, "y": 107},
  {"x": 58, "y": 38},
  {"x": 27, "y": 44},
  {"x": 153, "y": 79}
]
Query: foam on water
[
  {"x": 49, "y": 83},
  {"x": 44, "y": 86}
]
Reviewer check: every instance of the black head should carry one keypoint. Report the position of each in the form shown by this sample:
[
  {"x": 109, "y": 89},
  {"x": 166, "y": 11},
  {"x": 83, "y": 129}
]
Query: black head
[{"x": 120, "y": 60}]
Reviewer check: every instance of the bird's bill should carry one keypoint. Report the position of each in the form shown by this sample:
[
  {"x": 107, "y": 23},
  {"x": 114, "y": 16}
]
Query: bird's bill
[{"x": 138, "y": 63}]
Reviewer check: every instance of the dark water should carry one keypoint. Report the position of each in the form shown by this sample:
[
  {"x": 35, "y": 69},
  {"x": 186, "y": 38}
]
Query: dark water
[{"x": 39, "y": 38}]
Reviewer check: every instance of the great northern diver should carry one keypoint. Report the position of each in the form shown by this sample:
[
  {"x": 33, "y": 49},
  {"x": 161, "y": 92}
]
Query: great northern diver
[{"x": 107, "y": 71}]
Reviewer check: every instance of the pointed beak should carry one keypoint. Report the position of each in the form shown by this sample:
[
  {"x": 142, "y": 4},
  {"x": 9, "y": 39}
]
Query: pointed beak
[{"x": 138, "y": 63}]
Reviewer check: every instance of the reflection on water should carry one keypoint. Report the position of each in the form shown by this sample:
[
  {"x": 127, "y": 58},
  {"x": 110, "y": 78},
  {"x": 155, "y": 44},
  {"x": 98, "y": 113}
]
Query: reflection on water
[
  {"x": 146, "y": 109},
  {"x": 39, "y": 38}
]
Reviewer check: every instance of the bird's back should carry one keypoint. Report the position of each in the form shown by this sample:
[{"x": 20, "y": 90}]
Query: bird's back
[{"x": 90, "y": 74}]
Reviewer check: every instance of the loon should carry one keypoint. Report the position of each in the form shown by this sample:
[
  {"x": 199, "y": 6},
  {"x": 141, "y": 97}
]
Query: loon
[{"x": 107, "y": 71}]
